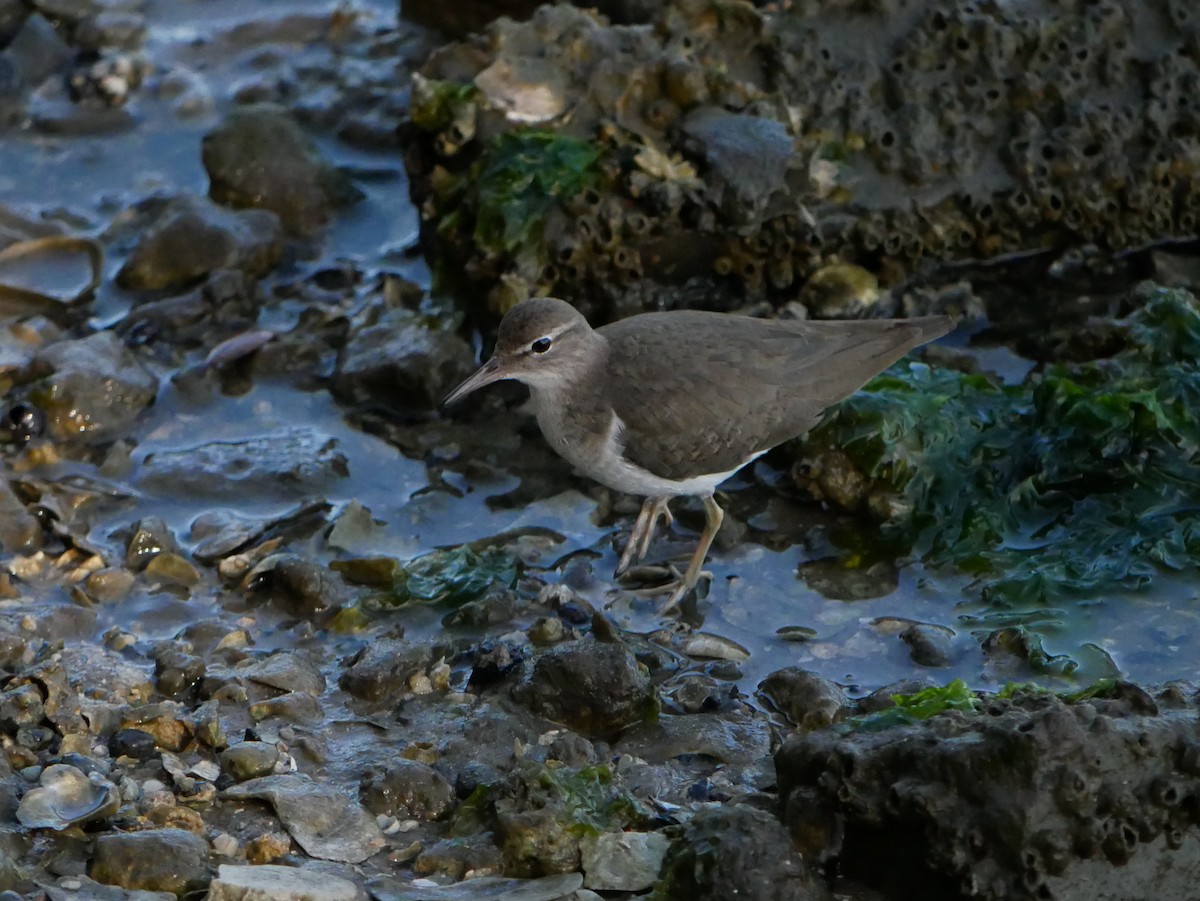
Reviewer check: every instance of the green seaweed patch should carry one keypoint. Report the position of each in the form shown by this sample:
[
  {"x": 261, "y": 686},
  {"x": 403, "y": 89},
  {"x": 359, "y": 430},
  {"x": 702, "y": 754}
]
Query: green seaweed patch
[
  {"x": 452, "y": 576},
  {"x": 1081, "y": 480},
  {"x": 918, "y": 706},
  {"x": 523, "y": 175}
]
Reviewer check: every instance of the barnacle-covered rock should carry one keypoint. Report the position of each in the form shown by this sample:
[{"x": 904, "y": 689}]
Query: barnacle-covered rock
[
  {"x": 770, "y": 142},
  {"x": 1032, "y": 797}
]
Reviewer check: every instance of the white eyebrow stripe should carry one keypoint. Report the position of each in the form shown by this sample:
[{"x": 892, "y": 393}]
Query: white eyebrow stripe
[{"x": 556, "y": 331}]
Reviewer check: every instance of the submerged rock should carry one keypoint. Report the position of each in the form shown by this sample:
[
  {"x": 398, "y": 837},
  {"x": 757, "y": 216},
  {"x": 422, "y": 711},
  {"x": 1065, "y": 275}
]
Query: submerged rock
[
  {"x": 95, "y": 391},
  {"x": 192, "y": 236},
  {"x": 296, "y": 460}
]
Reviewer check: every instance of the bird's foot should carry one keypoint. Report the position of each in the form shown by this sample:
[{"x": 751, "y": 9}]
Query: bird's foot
[
  {"x": 642, "y": 533},
  {"x": 677, "y": 585}
]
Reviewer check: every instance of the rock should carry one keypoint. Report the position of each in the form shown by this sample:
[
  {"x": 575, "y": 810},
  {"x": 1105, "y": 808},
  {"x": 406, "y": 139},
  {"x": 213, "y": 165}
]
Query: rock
[
  {"x": 20, "y": 531},
  {"x": 324, "y": 822},
  {"x": 406, "y": 788},
  {"x": 192, "y": 236},
  {"x": 593, "y": 687},
  {"x": 928, "y": 645},
  {"x": 377, "y": 669},
  {"x": 259, "y": 157},
  {"x": 455, "y": 857},
  {"x": 808, "y": 700},
  {"x": 300, "y": 587},
  {"x": 401, "y": 361},
  {"x": 132, "y": 743},
  {"x": 249, "y": 760},
  {"x": 286, "y": 671},
  {"x": 749, "y": 155},
  {"x": 623, "y": 861},
  {"x": 728, "y": 737},
  {"x": 157, "y": 860},
  {"x": 1032, "y": 797},
  {"x": 276, "y": 883},
  {"x": 297, "y": 460},
  {"x": 36, "y": 51},
  {"x": 736, "y": 852},
  {"x": 96, "y": 389}
]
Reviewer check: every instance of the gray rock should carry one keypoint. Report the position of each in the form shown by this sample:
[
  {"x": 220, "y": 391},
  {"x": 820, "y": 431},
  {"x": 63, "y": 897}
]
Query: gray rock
[
  {"x": 323, "y": 821},
  {"x": 595, "y": 688},
  {"x": 623, "y": 861},
  {"x": 286, "y": 671},
  {"x": 36, "y": 50},
  {"x": 728, "y": 737},
  {"x": 750, "y": 155},
  {"x": 294, "y": 461},
  {"x": 376, "y": 670},
  {"x": 1032, "y": 797},
  {"x": 96, "y": 389},
  {"x": 157, "y": 860},
  {"x": 928, "y": 645},
  {"x": 190, "y": 237},
  {"x": 259, "y": 157},
  {"x": 406, "y": 788},
  {"x": 275, "y": 883},
  {"x": 401, "y": 361}
]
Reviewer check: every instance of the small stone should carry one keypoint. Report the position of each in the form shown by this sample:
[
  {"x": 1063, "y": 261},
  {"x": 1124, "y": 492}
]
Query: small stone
[
  {"x": 249, "y": 760},
  {"x": 171, "y": 569},
  {"x": 265, "y": 848},
  {"x": 132, "y": 743},
  {"x": 224, "y": 845},
  {"x": 110, "y": 584}
]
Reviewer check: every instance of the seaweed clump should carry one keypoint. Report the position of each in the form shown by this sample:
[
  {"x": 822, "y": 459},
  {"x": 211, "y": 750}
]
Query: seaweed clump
[{"x": 1082, "y": 479}]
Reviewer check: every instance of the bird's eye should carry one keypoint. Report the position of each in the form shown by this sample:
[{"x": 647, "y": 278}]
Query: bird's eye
[{"x": 540, "y": 346}]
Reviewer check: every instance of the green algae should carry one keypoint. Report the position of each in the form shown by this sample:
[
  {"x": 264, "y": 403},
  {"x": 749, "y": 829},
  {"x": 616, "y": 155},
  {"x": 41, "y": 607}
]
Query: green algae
[
  {"x": 452, "y": 576},
  {"x": 524, "y": 175},
  {"x": 1083, "y": 479}
]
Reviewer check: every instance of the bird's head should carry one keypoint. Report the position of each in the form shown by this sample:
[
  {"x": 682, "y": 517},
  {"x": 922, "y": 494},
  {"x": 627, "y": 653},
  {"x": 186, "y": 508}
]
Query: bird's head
[{"x": 542, "y": 342}]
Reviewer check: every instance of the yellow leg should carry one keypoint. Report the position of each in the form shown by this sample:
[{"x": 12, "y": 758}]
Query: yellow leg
[{"x": 713, "y": 517}]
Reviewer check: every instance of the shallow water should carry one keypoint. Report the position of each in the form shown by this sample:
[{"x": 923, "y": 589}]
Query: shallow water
[{"x": 755, "y": 592}]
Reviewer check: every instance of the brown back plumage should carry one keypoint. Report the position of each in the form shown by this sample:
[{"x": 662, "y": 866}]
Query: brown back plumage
[{"x": 742, "y": 385}]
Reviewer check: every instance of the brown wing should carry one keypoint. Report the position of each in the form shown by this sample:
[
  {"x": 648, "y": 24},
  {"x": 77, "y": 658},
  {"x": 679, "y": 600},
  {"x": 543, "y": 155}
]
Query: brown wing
[{"x": 739, "y": 385}]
